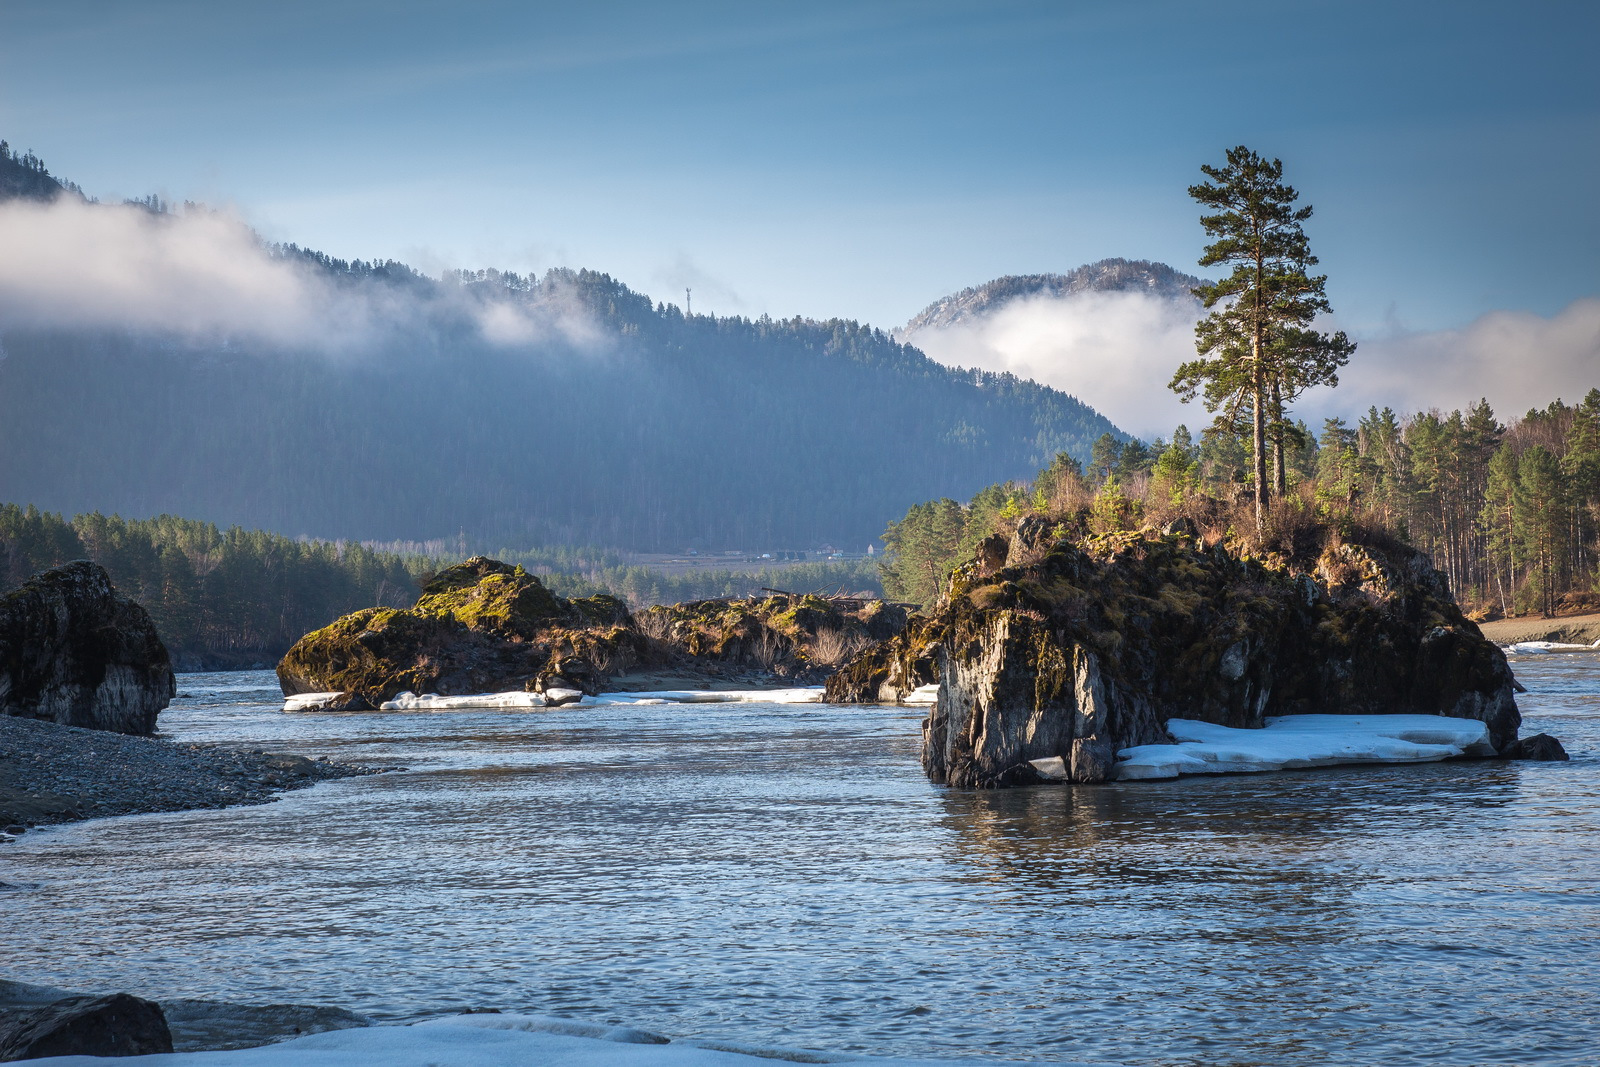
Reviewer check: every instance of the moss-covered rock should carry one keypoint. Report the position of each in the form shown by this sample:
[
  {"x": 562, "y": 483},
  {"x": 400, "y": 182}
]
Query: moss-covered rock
[
  {"x": 480, "y": 626},
  {"x": 801, "y": 637},
  {"x": 1086, "y": 647}
]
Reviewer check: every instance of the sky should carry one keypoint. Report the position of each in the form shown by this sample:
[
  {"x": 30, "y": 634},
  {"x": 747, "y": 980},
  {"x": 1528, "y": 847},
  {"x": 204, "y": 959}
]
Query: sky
[{"x": 857, "y": 160}]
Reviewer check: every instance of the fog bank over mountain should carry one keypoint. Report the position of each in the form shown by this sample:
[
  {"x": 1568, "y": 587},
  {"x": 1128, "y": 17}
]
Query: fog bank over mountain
[
  {"x": 1113, "y": 333},
  {"x": 158, "y": 361}
]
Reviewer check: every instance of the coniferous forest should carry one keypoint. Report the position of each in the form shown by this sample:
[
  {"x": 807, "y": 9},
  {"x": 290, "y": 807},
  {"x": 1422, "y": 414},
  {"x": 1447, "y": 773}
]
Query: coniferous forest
[{"x": 1509, "y": 511}]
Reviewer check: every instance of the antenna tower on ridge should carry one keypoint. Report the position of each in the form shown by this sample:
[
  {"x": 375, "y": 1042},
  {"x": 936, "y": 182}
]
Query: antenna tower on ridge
[{"x": 688, "y": 308}]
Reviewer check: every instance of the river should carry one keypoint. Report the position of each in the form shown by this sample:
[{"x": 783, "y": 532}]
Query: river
[{"x": 784, "y": 874}]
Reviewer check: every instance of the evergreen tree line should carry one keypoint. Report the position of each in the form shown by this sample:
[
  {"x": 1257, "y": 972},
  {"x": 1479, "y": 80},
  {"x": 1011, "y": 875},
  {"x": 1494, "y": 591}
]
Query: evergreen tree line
[
  {"x": 219, "y": 597},
  {"x": 237, "y": 597},
  {"x": 1510, "y": 512}
]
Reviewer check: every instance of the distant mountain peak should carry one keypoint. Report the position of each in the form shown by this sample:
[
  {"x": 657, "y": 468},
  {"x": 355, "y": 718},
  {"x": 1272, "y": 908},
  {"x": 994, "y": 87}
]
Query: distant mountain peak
[{"x": 1105, "y": 276}]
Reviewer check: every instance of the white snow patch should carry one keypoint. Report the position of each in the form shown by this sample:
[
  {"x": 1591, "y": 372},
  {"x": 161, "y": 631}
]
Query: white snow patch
[
  {"x": 802, "y": 695},
  {"x": 1289, "y": 742},
  {"x": 409, "y": 701},
  {"x": 308, "y": 701},
  {"x": 497, "y": 1041},
  {"x": 1522, "y": 648},
  {"x": 436, "y": 702},
  {"x": 922, "y": 694}
]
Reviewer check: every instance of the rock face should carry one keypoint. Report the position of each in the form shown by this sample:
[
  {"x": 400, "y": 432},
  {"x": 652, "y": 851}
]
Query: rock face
[
  {"x": 115, "y": 1025},
  {"x": 480, "y": 626},
  {"x": 73, "y": 651},
  {"x": 889, "y": 671},
  {"x": 1078, "y": 650},
  {"x": 1537, "y": 747},
  {"x": 802, "y": 637}
]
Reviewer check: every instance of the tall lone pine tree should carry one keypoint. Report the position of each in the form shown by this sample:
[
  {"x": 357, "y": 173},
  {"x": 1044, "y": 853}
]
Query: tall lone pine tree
[{"x": 1257, "y": 348}]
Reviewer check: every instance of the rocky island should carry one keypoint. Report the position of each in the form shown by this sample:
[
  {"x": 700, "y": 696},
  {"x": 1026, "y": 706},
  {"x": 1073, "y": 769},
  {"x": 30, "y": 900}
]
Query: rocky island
[
  {"x": 483, "y": 626},
  {"x": 1055, "y": 655}
]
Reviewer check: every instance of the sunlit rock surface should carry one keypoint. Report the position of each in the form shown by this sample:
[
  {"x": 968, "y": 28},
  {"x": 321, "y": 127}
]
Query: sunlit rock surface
[{"x": 73, "y": 651}]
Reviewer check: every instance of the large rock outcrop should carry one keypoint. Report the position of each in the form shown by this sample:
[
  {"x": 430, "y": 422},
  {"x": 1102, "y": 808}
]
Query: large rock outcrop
[
  {"x": 479, "y": 626},
  {"x": 800, "y": 637},
  {"x": 75, "y": 652},
  {"x": 1079, "y": 649}
]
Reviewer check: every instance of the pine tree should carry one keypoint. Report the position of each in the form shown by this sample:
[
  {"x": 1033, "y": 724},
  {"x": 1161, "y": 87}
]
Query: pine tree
[
  {"x": 1541, "y": 520},
  {"x": 1498, "y": 523},
  {"x": 1257, "y": 348}
]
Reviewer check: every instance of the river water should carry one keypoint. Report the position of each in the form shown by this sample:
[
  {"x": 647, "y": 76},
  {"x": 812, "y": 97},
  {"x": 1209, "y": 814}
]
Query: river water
[{"x": 784, "y": 874}]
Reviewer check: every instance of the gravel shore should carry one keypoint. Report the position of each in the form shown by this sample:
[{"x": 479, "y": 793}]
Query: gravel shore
[{"x": 54, "y": 774}]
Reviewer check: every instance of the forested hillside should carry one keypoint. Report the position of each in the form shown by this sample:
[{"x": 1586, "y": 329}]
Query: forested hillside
[
  {"x": 224, "y": 598},
  {"x": 567, "y": 409},
  {"x": 1510, "y": 512}
]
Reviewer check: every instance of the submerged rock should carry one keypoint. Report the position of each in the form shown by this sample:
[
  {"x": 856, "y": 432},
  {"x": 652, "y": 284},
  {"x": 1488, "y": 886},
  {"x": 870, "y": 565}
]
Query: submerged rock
[
  {"x": 480, "y": 626},
  {"x": 1536, "y": 747},
  {"x": 75, "y": 652},
  {"x": 1073, "y": 651}
]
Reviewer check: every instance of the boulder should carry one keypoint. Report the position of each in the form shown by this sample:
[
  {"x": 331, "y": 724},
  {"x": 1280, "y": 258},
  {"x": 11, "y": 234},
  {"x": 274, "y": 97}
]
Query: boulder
[
  {"x": 73, "y": 651},
  {"x": 480, "y": 626},
  {"x": 1537, "y": 747},
  {"x": 115, "y": 1025},
  {"x": 1088, "y": 647}
]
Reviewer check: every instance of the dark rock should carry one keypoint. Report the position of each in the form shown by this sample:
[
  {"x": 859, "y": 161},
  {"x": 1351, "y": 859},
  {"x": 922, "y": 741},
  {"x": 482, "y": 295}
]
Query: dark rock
[
  {"x": 74, "y": 652},
  {"x": 889, "y": 671},
  {"x": 1537, "y": 747},
  {"x": 797, "y": 637},
  {"x": 115, "y": 1025},
  {"x": 568, "y": 672},
  {"x": 1090, "y": 648},
  {"x": 199, "y": 1025}
]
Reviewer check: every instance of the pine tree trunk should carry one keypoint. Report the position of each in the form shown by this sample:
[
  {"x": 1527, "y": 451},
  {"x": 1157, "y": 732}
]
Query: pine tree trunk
[
  {"x": 1259, "y": 439},
  {"x": 1280, "y": 474}
]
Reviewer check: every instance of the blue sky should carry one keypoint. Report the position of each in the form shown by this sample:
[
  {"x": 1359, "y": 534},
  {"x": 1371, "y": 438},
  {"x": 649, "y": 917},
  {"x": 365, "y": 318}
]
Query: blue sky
[{"x": 845, "y": 159}]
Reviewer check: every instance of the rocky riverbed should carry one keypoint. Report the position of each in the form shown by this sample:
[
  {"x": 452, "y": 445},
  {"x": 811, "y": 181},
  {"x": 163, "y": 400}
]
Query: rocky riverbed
[{"x": 52, "y": 774}]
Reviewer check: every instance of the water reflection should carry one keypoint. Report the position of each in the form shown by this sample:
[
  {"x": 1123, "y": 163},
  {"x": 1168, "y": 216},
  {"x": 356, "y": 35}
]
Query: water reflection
[{"x": 785, "y": 874}]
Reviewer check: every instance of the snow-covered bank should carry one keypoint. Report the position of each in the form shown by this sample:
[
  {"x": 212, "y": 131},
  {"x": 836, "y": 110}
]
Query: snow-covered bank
[
  {"x": 493, "y": 1041},
  {"x": 565, "y": 697},
  {"x": 1289, "y": 742}
]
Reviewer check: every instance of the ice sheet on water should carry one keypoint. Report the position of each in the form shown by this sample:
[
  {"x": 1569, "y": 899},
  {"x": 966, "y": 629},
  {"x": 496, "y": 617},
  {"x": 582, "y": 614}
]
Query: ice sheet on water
[
  {"x": 1289, "y": 742},
  {"x": 435, "y": 702},
  {"x": 307, "y": 701},
  {"x": 922, "y": 694},
  {"x": 494, "y": 1041},
  {"x": 1524, "y": 648}
]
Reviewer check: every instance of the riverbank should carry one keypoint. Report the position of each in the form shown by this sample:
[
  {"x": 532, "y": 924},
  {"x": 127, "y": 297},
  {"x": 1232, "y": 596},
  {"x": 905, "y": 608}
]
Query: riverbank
[
  {"x": 54, "y": 774},
  {"x": 1571, "y": 629}
]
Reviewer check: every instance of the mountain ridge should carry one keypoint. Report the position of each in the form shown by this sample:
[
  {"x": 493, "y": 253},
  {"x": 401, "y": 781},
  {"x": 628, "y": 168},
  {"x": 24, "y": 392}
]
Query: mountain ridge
[
  {"x": 1103, "y": 276},
  {"x": 624, "y": 423}
]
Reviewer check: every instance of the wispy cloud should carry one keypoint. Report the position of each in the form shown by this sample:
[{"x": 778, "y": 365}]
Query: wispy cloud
[
  {"x": 1114, "y": 351},
  {"x": 205, "y": 275},
  {"x": 1117, "y": 352}
]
